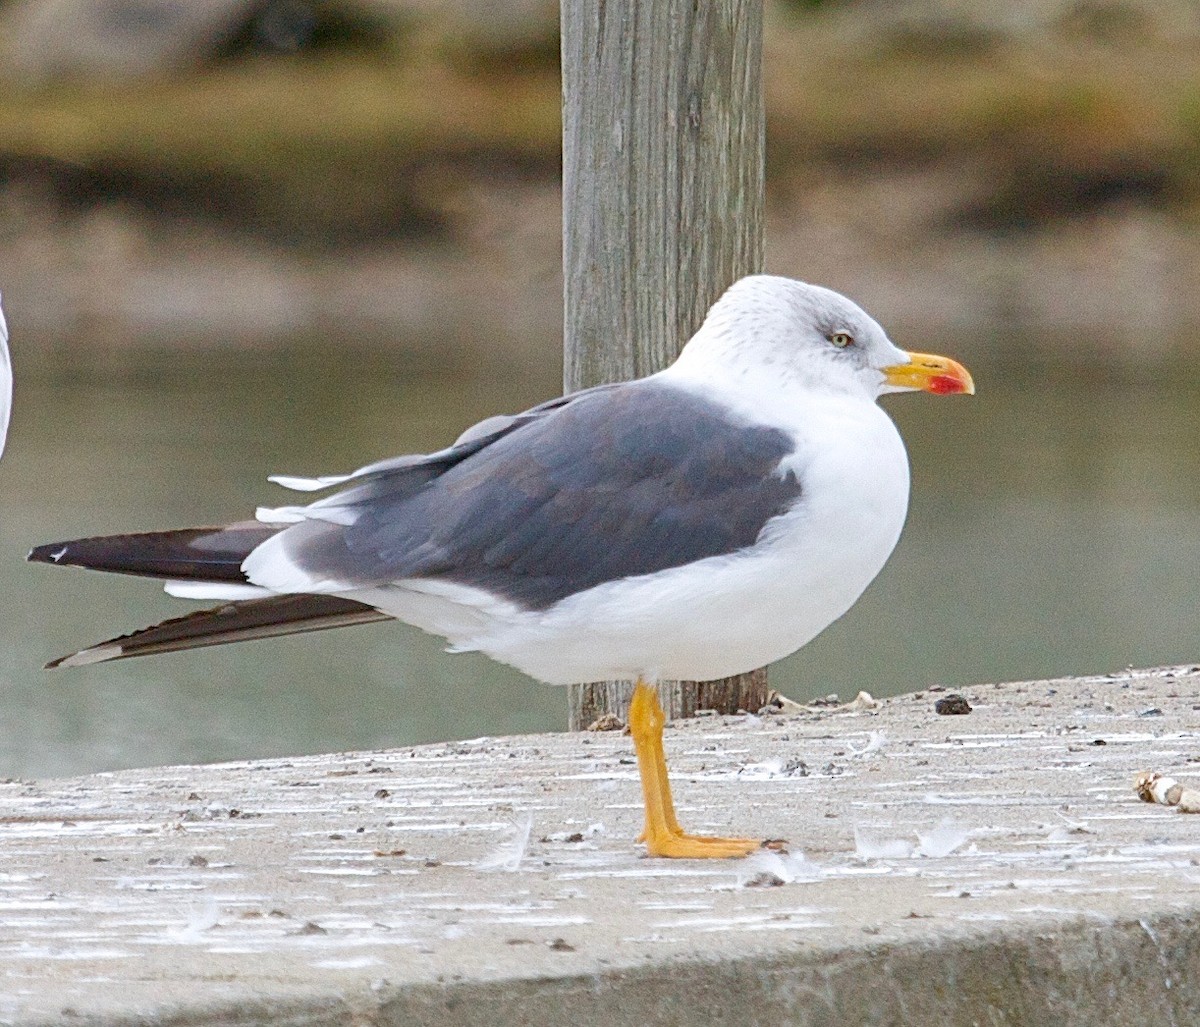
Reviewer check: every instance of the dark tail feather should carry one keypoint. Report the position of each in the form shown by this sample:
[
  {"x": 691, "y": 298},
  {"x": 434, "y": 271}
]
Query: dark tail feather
[
  {"x": 192, "y": 554},
  {"x": 231, "y": 622}
]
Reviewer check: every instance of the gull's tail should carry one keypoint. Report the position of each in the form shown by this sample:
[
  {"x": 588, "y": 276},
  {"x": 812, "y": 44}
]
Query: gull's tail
[
  {"x": 237, "y": 621},
  {"x": 191, "y": 559}
]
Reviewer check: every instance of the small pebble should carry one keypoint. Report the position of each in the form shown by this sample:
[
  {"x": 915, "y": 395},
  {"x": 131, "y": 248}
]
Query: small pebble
[{"x": 951, "y": 705}]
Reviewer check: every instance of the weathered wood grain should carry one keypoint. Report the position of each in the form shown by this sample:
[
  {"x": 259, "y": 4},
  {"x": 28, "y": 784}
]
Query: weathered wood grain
[{"x": 663, "y": 140}]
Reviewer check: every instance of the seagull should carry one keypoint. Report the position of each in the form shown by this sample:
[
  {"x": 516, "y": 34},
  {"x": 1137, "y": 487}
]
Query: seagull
[
  {"x": 693, "y": 524},
  {"x": 6, "y": 381}
]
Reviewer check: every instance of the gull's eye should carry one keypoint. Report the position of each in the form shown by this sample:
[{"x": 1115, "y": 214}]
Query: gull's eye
[{"x": 842, "y": 339}]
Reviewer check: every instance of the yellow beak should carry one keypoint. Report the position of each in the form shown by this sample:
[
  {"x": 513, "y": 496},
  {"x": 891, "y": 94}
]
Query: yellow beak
[{"x": 931, "y": 373}]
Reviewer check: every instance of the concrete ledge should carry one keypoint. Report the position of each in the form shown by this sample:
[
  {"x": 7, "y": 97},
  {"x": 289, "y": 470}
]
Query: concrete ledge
[{"x": 993, "y": 868}]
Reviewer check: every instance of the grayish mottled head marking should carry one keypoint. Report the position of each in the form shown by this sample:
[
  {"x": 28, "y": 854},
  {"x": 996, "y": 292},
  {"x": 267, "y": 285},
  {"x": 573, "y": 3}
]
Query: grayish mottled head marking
[{"x": 789, "y": 327}]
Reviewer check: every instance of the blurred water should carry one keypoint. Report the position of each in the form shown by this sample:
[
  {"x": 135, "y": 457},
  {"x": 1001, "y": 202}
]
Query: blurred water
[{"x": 1055, "y": 529}]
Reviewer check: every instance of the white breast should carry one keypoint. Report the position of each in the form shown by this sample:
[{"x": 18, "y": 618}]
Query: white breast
[{"x": 729, "y": 614}]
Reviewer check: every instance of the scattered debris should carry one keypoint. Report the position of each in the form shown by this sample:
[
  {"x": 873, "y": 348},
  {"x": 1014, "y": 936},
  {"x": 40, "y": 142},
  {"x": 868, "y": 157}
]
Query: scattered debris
[
  {"x": 764, "y": 868},
  {"x": 309, "y": 927},
  {"x": 935, "y": 843},
  {"x": 204, "y": 918},
  {"x": 509, "y": 853},
  {"x": 763, "y": 879},
  {"x": 952, "y": 705},
  {"x": 574, "y": 837},
  {"x": 875, "y": 741},
  {"x": 862, "y": 701},
  {"x": 941, "y": 840},
  {"x": 774, "y": 767},
  {"x": 868, "y": 846},
  {"x": 608, "y": 722},
  {"x": 1152, "y": 786},
  {"x": 779, "y": 703}
]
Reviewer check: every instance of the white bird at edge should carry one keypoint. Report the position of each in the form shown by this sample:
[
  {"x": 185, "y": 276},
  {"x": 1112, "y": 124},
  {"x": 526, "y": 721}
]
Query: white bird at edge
[
  {"x": 6, "y": 381},
  {"x": 693, "y": 524}
]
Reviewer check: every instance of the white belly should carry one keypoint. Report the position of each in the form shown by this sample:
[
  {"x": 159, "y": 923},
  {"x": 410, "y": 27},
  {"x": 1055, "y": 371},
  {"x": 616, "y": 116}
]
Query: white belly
[{"x": 720, "y": 616}]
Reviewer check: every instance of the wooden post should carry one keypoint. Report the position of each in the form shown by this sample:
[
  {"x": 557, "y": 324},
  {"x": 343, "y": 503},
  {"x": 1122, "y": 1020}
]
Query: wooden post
[{"x": 663, "y": 194}]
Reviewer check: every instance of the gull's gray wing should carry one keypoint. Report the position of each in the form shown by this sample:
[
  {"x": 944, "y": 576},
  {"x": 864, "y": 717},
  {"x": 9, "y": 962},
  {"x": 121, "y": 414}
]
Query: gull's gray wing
[
  {"x": 615, "y": 482},
  {"x": 403, "y": 474}
]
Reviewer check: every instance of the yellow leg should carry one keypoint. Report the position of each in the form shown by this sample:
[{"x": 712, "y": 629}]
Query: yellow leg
[{"x": 663, "y": 835}]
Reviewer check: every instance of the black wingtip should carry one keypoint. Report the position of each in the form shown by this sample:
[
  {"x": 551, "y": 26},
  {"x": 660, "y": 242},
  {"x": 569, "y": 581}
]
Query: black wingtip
[
  {"x": 51, "y": 552},
  {"x": 186, "y": 554},
  {"x": 240, "y": 620}
]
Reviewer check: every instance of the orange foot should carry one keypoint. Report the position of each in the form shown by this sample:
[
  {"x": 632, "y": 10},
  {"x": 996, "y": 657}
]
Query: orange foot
[{"x": 663, "y": 835}]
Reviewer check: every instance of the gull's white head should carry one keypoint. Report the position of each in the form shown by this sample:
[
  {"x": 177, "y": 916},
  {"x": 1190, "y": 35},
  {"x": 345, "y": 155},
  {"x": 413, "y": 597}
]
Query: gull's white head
[{"x": 808, "y": 336}]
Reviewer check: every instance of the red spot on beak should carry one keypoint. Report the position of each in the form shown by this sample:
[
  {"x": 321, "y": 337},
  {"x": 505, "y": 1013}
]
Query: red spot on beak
[{"x": 944, "y": 385}]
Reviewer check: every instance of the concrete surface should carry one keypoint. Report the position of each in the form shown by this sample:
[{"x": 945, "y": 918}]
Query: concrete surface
[{"x": 988, "y": 868}]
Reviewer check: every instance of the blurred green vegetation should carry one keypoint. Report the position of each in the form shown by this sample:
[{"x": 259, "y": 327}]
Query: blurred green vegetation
[
  {"x": 304, "y": 150},
  {"x": 370, "y": 128},
  {"x": 1056, "y": 138}
]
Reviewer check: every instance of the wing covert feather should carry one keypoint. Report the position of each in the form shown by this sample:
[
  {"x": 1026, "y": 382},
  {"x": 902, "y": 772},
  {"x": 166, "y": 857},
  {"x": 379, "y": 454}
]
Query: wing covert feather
[{"x": 623, "y": 481}]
